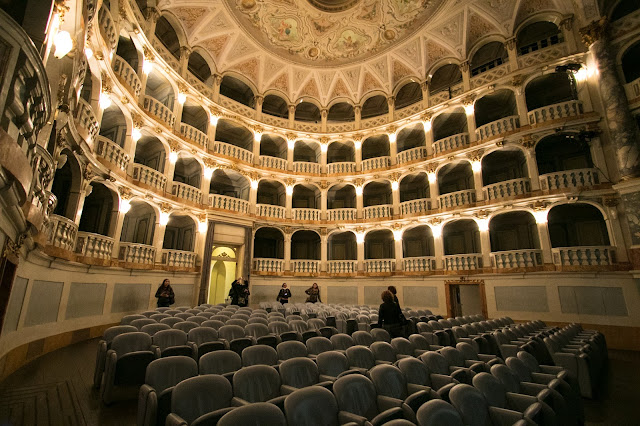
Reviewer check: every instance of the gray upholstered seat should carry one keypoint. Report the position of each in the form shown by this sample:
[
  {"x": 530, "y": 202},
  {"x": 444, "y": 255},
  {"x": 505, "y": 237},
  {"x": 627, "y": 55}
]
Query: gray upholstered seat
[
  {"x": 205, "y": 340},
  {"x": 152, "y": 329},
  {"x": 173, "y": 342},
  {"x": 192, "y": 404},
  {"x": 159, "y": 316},
  {"x": 259, "y": 355},
  {"x": 257, "y": 383},
  {"x": 254, "y": 415},
  {"x": 139, "y": 323},
  {"x": 185, "y": 326},
  {"x": 211, "y": 323},
  {"x": 296, "y": 373},
  {"x": 234, "y": 335},
  {"x": 361, "y": 358},
  {"x": 127, "y": 319},
  {"x": 105, "y": 344},
  {"x": 312, "y": 406},
  {"x": 342, "y": 341},
  {"x": 380, "y": 335},
  {"x": 437, "y": 413},
  {"x": 362, "y": 338},
  {"x": 331, "y": 365},
  {"x": 317, "y": 345},
  {"x": 383, "y": 352},
  {"x": 223, "y": 362},
  {"x": 171, "y": 321},
  {"x": 291, "y": 349}
]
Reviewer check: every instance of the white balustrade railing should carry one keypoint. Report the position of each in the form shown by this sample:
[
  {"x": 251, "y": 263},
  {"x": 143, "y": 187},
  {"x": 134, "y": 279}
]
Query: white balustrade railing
[
  {"x": 523, "y": 258},
  {"x": 86, "y": 121},
  {"x": 419, "y": 264},
  {"x": 306, "y": 214},
  {"x": 420, "y": 205},
  {"x": 229, "y": 203},
  {"x": 108, "y": 27},
  {"x": 462, "y": 262},
  {"x": 461, "y": 140},
  {"x": 633, "y": 89},
  {"x": 112, "y": 152},
  {"x": 342, "y": 266},
  {"x": 457, "y": 199},
  {"x": 306, "y": 167},
  {"x": 179, "y": 258},
  {"x": 569, "y": 179},
  {"x": 305, "y": 266},
  {"x": 94, "y": 245},
  {"x": 507, "y": 188},
  {"x": 268, "y": 210},
  {"x": 413, "y": 154},
  {"x": 376, "y": 163},
  {"x": 268, "y": 265},
  {"x": 194, "y": 135},
  {"x": 127, "y": 75},
  {"x": 339, "y": 215},
  {"x": 346, "y": 167},
  {"x": 149, "y": 176},
  {"x": 273, "y": 162},
  {"x": 498, "y": 127},
  {"x": 186, "y": 192},
  {"x": 159, "y": 111},
  {"x": 555, "y": 112},
  {"x": 233, "y": 151},
  {"x": 236, "y": 106},
  {"x": 61, "y": 232},
  {"x": 584, "y": 256},
  {"x": 379, "y": 211},
  {"x": 137, "y": 253},
  {"x": 379, "y": 265}
]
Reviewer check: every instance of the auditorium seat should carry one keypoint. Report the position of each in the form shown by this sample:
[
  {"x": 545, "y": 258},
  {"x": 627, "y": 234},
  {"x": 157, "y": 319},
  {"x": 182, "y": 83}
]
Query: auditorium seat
[
  {"x": 152, "y": 329},
  {"x": 475, "y": 411},
  {"x": 104, "y": 345},
  {"x": 362, "y": 338},
  {"x": 438, "y": 413},
  {"x": 417, "y": 373},
  {"x": 360, "y": 358},
  {"x": 127, "y": 319},
  {"x": 185, "y": 326},
  {"x": 331, "y": 365},
  {"x": 317, "y": 345},
  {"x": 342, "y": 341},
  {"x": 171, "y": 321},
  {"x": 258, "y": 414},
  {"x": 257, "y": 383},
  {"x": 158, "y": 316},
  {"x": 380, "y": 335},
  {"x": 224, "y": 362},
  {"x": 384, "y": 352},
  {"x": 139, "y": 323},
  {"x": 205, "y": 340},
  {"x": 235, "y": 337},
  {"x": 261, "y": 333},
  {"x": 291, "y": 349},
  {"x": 312, "y": 406},
  {"x": 259, "y": 355},
  {"x": 174, "y": 342},
  {"x": 297, "y": 373},
  {"x": 437, "y": 364},
  {"x": 197, "y": 319},
  {"x": 215, "y": 324},
  {"x": 192, "y": 403}
]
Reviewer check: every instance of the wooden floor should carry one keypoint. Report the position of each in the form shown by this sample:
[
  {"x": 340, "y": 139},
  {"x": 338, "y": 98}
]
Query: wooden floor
[{"x": 56, "y": 389}]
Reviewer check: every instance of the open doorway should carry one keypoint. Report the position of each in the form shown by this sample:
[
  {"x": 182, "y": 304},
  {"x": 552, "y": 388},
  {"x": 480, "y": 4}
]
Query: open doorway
[
  {"x": 465, "y": 297},
  {"x": 223, "y": 272}
]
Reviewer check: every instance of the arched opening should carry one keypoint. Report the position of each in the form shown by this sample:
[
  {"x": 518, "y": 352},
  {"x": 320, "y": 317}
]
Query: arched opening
[
  {"x": 494, "y": 106},
  {"x": 562, "y": 152},
  {"x": 578, "y": 224},
  {"x": 276, "y": 106},
  {"x": 341, "y": 196},
  {"x": 223, "y": 272},
  {"x": 491, "y": 55},
  {"x": 273, "y": 146},
  {"x": 631, "y": 63},
  {"x": 449, "y": 124},
  {"x": 341, "y": 112},
  {"x": 268, "y": 243},
  {"x": 113, "y": 125},
  {"x": 377, "y": 193},
  {"x": 99, "y": 212},
  {"x": 271, "y": 192},
  {"x": 414, "y": 187},
  {"x": 374, "y": 106},
  {"x": 418, "y": 242},
  {"x": 180, "y": 233},
  {"x": 128, "y": 52},
  {"x": 379, "y": 245},
  {"x": 139, "y": 224},
  {"x": 237, "y": 90},
  {"x": 66, "y": 186},
  {"x": 195, "y": 116},
  {"x": 234, "y": 134},
  {"x": 159, "y": 88},
  {"x": 150, "y": 152},
  {"x": 513, "y": 231},
  {"x": 447, "y": 78},
  {"x": 536, "y": 36},
  {"x": 375, "y": 146},
  {"x": 188, "y": 171},
  {"x": 409, "y": 94},
  {"x": 307, "y": 112},
  {"x": 167, "y": 35},
  {"x": 624, "y": 8},
  {"x": 305, "y": 245},
  {"x": 229, "y": 183},
  {"x": 306, "y": 151},
  {"x": 341, "y": 152},
  {"x": 550, "y": 89},
  {"x": 502, "y": 165},
  {"x": 411, "y": 137},
  {"x": 305, "y": 196},
  {"x": 454, "y": 177},
  {"x": 461, "y": 237},
  {"x": 199, "y": 67},
  {"x": 342, "y": 246}
]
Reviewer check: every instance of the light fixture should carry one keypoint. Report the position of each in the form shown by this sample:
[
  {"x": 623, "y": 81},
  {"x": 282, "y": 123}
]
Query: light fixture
[
  {"x": 436, "y": 231},
  {"x": 540, "y": 216},
  {"x": 395, "y": 185},
  {"x": 582, "y": 74},
  {"x": 257, "y": 136},
  {"x": 125, "y": 206},
  {"x": 289, "y": 189},
  {"x": 88, "y": 52},
  {"x": 182, "y": 98},
  {"x": 476, "y": 166},
  {"x": 164, "y": 218},
  {"x": 357, "y": 145},
  {"x": 431, "y": 176},
  {"x": 147, "y": 66},
  {"x": 360, "y": 237},
  {"x": 397, "y": 235},
  {"x": 173, "y": 157},
  {"x": 136, "y": 134},
  {"x": 202, "y": 227},
  {"x": 208, "y": 172},
  {"x": 392, "y": 137},
  {"x": 254, "y": 184},
  {"x": 105, "y": 100},
  {"x": 291, "y": 143},
  {"x": 358, "y": 190},
  {"x": 483, "y": 224},
  {"x": 324, "y": 147},
  {"x": 213, "y": 119},
  {"x": 469, "y": 108},
  {"x": 427, "y": 125},
  {"x": 63, "y": 43}
]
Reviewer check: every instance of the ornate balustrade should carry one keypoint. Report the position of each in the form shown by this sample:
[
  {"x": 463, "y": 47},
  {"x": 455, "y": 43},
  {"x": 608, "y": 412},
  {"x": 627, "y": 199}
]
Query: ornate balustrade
[
  {"x": 457, "y": 199},
  {"x": 346, "y": 167},
  {"x": 273, "y": 162},
  {"x": 229, "y": 150},
  {"x": 376, "y": 163},
  {"x": 179, "y": 258},
  {"x": 419, "y": 264},
  {"x": 149, "y": 176},
  {"x": 541, "y": 44},
  {"x": 194, "y": 135},
  {"x": 94, "y": 245},
  {"x": 268, "y": 265},
  {"x": 555, "y": 112},
  {"x": 413, "y": 154},
  {"x": 379, "y": 211},
  {"x": 461, "y": 140},
  {"x": 462, "y": 262},
  {"x": 368, "y": 123},
  {"x": 342, "y": 266},
  {"x": 44, "y": 169},
  {"x": 498, "y": 127},
  {"x": 304, "y": 126},
  {"x": 186, "y": 192},
  {"x": 137, "y": 253},
  {"x": 159, "y": 111},
  {"x": 268, "y": 210},
  {"x": 507, "y": 188},
  {"x": 305, "y": 266},
  {"x": 407, "y": 111},
  {"x": 569, "y": 179},
  {"x": 271, "y": 120},
  {"x": 633, "y": 89},
  {"x": 229, "y": 203},
  {"x": 339, "y": 215},
  {"x": 445, "y": 94},
  {"x": 341, "y": 127},
  {"x": 127, "y": 75},
  {"x": 86, "y": 121},
  {"x": 544, "y": 54},
  {"x": 584, "y": 256},
  {"x": 489, "y": 73},
  {"x": 237, "y": 107},
  {"x": 307, "y": 168},
  {"x": 523, "y": 258},
  {"x": 61, "y": 232},
  {"x": 373, "y": 266},
  {"x": 108, "y": 27},
  {"x": 420, "y": 205},
  {"x": 306, "y": 214},
  {"x": 165, "y": 53},
  {"x": 112, "y": 152}
]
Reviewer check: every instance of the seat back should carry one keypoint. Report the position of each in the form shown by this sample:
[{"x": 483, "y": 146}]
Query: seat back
[
  {"x": 278, "y": 327},
  {"x": 139, "y": 323},
  {"x": 471, "y": 404},
  {"x": 389, "y": 381},
  {"x": 215, "y": 324},
  {"x": 167, "y": 338},
  {"x": 220, "y": 362},
  {"x": 332, "y": 363},
  {"x": 291, "y": 349},
  {"x": 507, "y": 377},
  {"x": 191, "y": 398},
  {"x": 435, "y": 362},
  {"x": 383, "y": 351},
  {"x": 185, "y": 326},
  {"x": 127, "y": 319},
  {"x": 254, "y": 415},
  {"x": 361, "y": 357},
  {"x": 380, "y": 335},
  {"x": 117, "y": 330},
  {"x": 257, "y": 383},
  {"x": 342, "y": 341},
  {"x": 438, "y": 412},
  {"x": 152, "y": 329},
  {"x": 316, "y": 323},
  {"x": 363, "y": 338},
  {"x": 299, "y": 372},
  {"x": 313, "y": 405},
  {"x": 258, "y": 320},
  {"x": 164, "y": 373},
  {"x": 415, "y": 371},
  {"x": 356, "y": 394},
  {"x": 298, "y": 325},
  {"x": 519, "y": 369},
  {"x": 317, "y": 345},
  {"x": 131, "y": 342},
  {"x": 453, "y": 356},
  {"x": 230, "y": 332},
  {"x": 259, "y": 355},
  {"x": 171, "y": 321},
  {"x": 200, "y": 335},
  {"x": 256, "y": 330},
  {"x": 158, "y": 316},
  {"x": 403, "y": 346}
]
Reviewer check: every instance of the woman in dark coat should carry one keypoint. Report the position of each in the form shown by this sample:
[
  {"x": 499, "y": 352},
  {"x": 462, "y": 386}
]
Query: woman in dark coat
[
  {"x": 236, "y": 290},
  {"x": 165, "y": 294},
  {"x": 314, "y": 294},
  {"x": 284, "y": 294},
  {"x": 390, "y": 316}
]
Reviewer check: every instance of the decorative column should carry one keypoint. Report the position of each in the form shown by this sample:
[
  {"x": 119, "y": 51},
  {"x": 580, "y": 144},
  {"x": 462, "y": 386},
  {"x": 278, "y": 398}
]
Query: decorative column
[
  {"x": 257, "y": 139},
  {"x": 324, "y": 185},
  {"x": 177, "y": 108},
  {"x": 528, "y": 143},
  {"x": 287, "y": 249},
  {"x": 540, "y": 214},
  {"x": 169, "y": 165},
  {"x": 324, "y": 238},
  {"x": 259, "y": 100},
  {"x": 291, "y": 143},
  {"x": 395, "y": 192},
  {"x": 469, "y": 110},
  {"x": 185, "y": 52},
  {"x": 393, "y": 148},
  {"x": 391, "y": 101},
  {"x": 125, "y": 196},
  {"x": 324, "y": 113},
  {"x": 428, "y": 132},
  {"x": 513, "y": 53},
  {"x": 357, "y": 110},
  {"x": 434, "y": 191},
  {"x": 158, "y": 234},
  {"x": 360, "y": 248},
  {"x": 466, "y": 75},
  {"x": 476, "y": 166},
  {"x": 289, "y": 198},
  {"x": 359, "y": 184},
  {"x": 149, "y": 57},
  {"x": 521, "y": 102},
  {"x": 438, "y": 243},
  {"x": 292, "y": 116},
  {"x": 253, "y": 192},
  {"x": 566, "y": 26},
  {"x": 616, "y": 235},
  {"x": 324, "y": 147},
  {"x": 425, "y": 94},
  {"x": 152, "y": 15},
  {"x": 397, "y": 246},
  {"x": 214, "y": 116},
  {"x": 357, "y": 144},
  {"x": 217, "y": 81},
  {"x": 485, "y": 241},
  {"x": 205, "y": 185}
]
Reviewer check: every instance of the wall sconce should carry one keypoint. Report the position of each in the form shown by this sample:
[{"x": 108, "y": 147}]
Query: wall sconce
[
  {"x": 173, "y": 157},
  {"x": 540, "y": 216},
  {"x": 436, "y": 231},
  {"x": 324, "y": 147},
  {"x": 125, "y": 206},
  {"x": 63, "y": 43},
  {"x": 182, "y": 98},
  {"x": 291, "y": 143},
  {"x": 358, "y": 190},
  {"x": 392, "y": 137},
  {"x": 136, "y": 134},
  {"x": 431, "y": 176},
  {"x": 427, "y": 125},
  {"x": 476, "y": 166},
  {"x": 257, "y": 136},
  {"x": 397, "y": 235},
  {"x": 360, "y": 237},
  {"x": 483, "y": 224},
  {"x": 147, "y": 66},
  {"x": 213, "y": 119},
  {"x": 254, "y": 184},
  {"x": 395, "y": 185},
  {"x": 469, "y": 108},
  {"x": 289, "y": 190},
  {"x": 104, "y": 100},
  {"x": 164, "y": 218},
  {"x": 208, "y": 172},
  {"x": 357, "y": 145},
  {"x": 202, "y": 227}
]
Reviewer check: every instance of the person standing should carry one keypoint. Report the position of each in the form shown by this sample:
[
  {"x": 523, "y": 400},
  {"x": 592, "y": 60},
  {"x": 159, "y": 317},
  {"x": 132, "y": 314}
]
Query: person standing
[
  {"x": 236, "y": 289},
  {"x": 390, "y": 316},
  {"x": 314, "y": 294},
  {"x": 165, "y": 294},
  {"x": 243, "y": 297},
  {"x": 394, "y": 292},
  {"x": 284, "y": 294}
]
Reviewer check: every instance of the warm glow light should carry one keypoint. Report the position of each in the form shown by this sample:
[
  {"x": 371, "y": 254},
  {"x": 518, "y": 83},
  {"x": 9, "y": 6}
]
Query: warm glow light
[
  {"x": 540, "y": 216},
  {"x": 436, "y": 231},
  {"x": 63, "y": 44},
  {"x": 291, "y": 143},
  {"x": 125, "y": 206},
  {"x": 182, "y": 97},
  {"x": 208, "y": 172},
  {"x": 392, "y": 137},
  {"x": 257, "y": 136},
  {"x": 360, "y": 237},
  {"x": 324, "y": 147},
  {"x": 432, "y": 177},
  {"x": 136, "y": 134},
  {"x": 254, "y": 184},
  {"x": 476, "y": 166},
  {"x": 88, "y": 52},
  {"x": 469, "y": 109},
  {"x": 397, "y": 235},
  {"x": 164, "y": 218},
  {"x": 358, "y": 190},
  {"x": 147, "y": 66},
  {"x": 483, "y": 224},
  {"x": 105, "y": 100},
  {"x": 202, "y": 227},
  {"x": 395, "y": 185},
  {"x": 427, "y": 125},
  {"x": 173, "y": 157},
  {"x": 357, "y": 144},
  {"x": 289, "y": 190},
  {"x": 213, "y": 119}
]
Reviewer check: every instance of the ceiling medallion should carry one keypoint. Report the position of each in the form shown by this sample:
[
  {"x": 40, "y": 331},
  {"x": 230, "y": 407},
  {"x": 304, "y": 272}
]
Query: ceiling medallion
[{"x": 333, "y": 5}]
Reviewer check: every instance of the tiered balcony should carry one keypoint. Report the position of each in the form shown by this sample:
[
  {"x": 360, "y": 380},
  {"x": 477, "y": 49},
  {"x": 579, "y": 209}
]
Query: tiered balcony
[
  {"x": 376, "y": 266},
  {"x": 347, "y": 167},
  {"x": 112, "y": 152},
  {"x": 457, "y": 199},
  {"x": 524, "y": 258},
  {"x": 186, "y": 192},
  {"x": 413, "y": 154},
  {"x": 342, "y": 266},
  {"x": 194, "y": 135},
  {"x": 489, "y": 72},
  {"x": 273, "y": 162},
  {"x": 419, "y": 264},
  {"x": 237, "y": 107},
  {"x": 268, "y": 265},
  {"x": 378, "y": 212},
  {"x": 376, "y": 163},
  {"x": 542, "y": 51},
  {"x": 507, "y": 189},
  {"x": 341, "y": 215},
  {"x": 307, "y": 168},
  {"x": 86, "y": 121},
  {"x": 127, "y": 75},
  {"x": 420, "y": 205},
  {"x": 107, "y": 27},
  {"x": 159, "y": 111},
  {"x": 94, "y": 245},
  {"x": 271, "y": 211},
  {"x": 569, "y": 179},
  {"x": 228, "y": 203},
  {"x": 178, "y": 258},
  {"x": 306, "y": 214},
  {"x": 141, "y": 254},
  {"x": 148, "y": 176},
  {"x": 553, "y": 112},
  {"x": 462, "y": 262},
  {"x": 229, "y": 150},
  {"x": 584, "y": 256},
  {"x": 453, "y": 142},
  {"x": 305, "y": 266},
  {"x": 498, "y": 127},
  {"x": 61, "y": 232}
]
